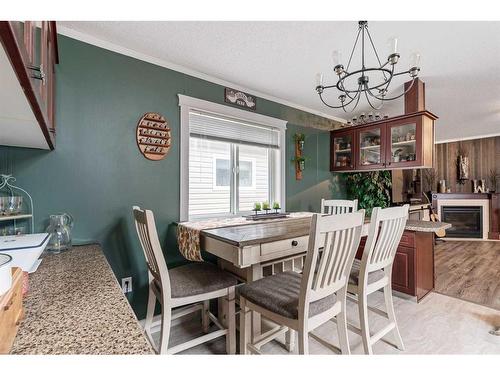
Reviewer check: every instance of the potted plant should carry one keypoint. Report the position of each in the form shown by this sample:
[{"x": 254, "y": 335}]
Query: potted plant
[
  {"x": 256, "y": 207},
  {"x": 301, "y": 162},
  {"x": 265, "y": 206},
  {"x": 299, "y": 139},
  {"x": 493, "y": 176},
  {"x": 276, "y": 207},
  {"x": 371, "y": 189}
]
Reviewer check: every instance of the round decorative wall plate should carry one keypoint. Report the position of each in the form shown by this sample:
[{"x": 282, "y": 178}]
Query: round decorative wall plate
[{"x": 153, "y": 136}]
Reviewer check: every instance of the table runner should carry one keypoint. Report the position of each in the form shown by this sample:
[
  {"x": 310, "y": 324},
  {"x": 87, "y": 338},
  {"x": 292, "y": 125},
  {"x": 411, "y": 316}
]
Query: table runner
[{"x": 188, "y": 232}]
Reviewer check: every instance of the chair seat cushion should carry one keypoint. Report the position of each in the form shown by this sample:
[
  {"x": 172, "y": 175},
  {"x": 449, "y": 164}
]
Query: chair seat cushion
[
  {"x": 198, "y": 278},
  {"x": 372, "y": 276},
  {"x": 280, "y": 294}
]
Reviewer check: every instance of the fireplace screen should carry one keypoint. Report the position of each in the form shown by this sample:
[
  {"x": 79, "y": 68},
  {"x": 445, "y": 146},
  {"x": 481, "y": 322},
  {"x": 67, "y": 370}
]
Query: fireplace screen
[{"x": 466, "y": 221}]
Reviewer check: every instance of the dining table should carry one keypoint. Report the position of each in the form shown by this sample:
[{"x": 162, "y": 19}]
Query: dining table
[{"x": 255, "y": 249}]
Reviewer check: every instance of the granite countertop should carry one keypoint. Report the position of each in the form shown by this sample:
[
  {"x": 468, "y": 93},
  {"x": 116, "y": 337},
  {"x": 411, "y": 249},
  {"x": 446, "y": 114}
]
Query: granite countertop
[
  {"x": 248, "y": 235},
  {"x": 75, "y": 306},
  {"x": 426, "y": 226}
]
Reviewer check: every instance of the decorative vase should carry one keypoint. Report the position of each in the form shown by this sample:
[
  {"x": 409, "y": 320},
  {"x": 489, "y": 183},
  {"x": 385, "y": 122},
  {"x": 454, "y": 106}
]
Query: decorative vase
[{"x": 442, "y": 186}]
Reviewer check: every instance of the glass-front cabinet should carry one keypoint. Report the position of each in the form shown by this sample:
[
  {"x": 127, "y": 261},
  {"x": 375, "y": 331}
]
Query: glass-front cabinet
[
  {"x": 403, "y": 144},
  {"x": 371, "y": 147},
  {"x": 342, "y": 156},
  {"x": 405, "y": 141}
]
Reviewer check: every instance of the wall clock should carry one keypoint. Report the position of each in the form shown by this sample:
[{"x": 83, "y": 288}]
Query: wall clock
[{"x": 153, "y": 136}]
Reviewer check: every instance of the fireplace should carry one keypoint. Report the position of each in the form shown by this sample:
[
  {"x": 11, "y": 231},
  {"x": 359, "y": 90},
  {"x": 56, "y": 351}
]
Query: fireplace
[{"x": 466, "y": 221}]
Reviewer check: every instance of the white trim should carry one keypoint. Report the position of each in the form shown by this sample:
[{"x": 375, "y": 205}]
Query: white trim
[
  {"x": 186, "y": 104},
  {"x": 484, "y": 203},
  {"x": 63, "y": 30},
  {"x": 221, "y": 109},
  {"x": 468, "y": 138}
]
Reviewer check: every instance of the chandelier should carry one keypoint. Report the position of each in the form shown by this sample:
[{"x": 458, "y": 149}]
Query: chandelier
[{"x": 353, "y": 84}]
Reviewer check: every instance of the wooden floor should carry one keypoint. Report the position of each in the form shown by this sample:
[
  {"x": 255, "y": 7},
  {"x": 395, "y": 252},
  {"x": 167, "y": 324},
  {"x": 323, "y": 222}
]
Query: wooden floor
[{"x": 469, "y": 270}]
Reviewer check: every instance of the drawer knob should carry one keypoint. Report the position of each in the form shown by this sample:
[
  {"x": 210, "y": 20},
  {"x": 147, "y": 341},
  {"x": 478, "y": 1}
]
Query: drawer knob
[{"x": 294, "y": 243}]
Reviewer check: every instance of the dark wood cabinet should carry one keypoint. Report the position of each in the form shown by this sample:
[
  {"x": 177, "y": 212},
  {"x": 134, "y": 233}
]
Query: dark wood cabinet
[
  {"x": 32, "y": 50},
  {"x": 342, "y": 146},
  {"x": 405, "y": 141},
  {"x": 413, "y": 267}
]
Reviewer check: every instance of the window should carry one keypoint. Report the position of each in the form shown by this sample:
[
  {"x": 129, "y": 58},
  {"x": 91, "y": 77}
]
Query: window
[{"x": 232, "y": 163}]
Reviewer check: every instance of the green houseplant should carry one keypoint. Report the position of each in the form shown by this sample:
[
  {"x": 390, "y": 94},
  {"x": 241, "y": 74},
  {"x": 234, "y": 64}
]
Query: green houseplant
[
  {"x": 371, "y": 189},
  {"x": 299, "y": 138}
]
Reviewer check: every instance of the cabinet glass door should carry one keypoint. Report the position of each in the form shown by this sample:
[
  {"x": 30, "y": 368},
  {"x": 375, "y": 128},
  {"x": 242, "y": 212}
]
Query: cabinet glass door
[
  {"x": 370, "y": 148},
  {"x": 403, "y": 143},
  {"x": 342, "y": 152}
]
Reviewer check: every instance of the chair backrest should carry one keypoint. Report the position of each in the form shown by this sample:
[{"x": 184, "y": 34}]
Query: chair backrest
[
  {"x": 338, "y": 206},
  {"x": 148, "y": 237},
  {"x": 327, "y": 271},
  {"x": 386, "y": 228}
]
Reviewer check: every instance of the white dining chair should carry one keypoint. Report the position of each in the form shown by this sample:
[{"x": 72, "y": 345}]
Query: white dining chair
[
  {"x": 304, "y": 302},
  {"x": 190, "y": 286},
  {"x": 338, "y": 206},
  {"x": 374, "y": 272}
]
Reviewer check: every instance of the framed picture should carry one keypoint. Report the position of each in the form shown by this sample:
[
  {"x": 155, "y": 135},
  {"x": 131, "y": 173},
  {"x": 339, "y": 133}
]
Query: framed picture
[{"x": 240, "y": 98}]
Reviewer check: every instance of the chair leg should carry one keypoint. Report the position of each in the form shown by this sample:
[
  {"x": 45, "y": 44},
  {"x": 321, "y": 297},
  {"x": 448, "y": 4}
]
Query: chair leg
[
  {"x": 231, "y": 323},
  {"x": 303, "y": 341},
  {"x": 342, "y": 322},
  {"x": 166, "y": 321},
  {"x": 149, "y": 315},
  {"x": 205, "y": 321},
  {"x": 290, "y": 340},
  {"x": 389, "y": 305},
  {"x": 363, "y": 320},
  {"x": 245, "y": 326}
]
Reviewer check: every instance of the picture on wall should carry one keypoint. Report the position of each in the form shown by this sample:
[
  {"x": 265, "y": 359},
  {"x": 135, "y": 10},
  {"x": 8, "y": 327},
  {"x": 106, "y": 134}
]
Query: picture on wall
[{"x": 240, "y": 98}]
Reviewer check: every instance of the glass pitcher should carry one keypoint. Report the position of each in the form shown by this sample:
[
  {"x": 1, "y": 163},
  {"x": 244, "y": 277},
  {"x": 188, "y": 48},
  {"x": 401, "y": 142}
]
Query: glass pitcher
[{"x": 59, "y": 228}]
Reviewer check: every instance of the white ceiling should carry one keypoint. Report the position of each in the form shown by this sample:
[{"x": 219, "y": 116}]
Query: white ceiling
[
  {"x": 460, "y": 60},
  {"x": 18, "y": 125}
]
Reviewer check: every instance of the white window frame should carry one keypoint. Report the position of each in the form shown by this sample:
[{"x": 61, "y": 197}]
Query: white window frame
[{"x": 187, "y": 104}]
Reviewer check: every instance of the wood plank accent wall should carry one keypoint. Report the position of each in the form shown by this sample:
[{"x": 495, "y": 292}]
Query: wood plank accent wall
[{"x": 484, "y": 155}]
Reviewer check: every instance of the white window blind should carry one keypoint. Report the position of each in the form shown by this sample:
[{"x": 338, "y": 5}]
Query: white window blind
[{"x": 220, "y": 128}]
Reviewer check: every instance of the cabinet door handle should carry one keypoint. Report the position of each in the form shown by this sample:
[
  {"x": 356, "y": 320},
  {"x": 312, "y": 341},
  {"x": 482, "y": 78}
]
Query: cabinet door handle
[{"x": 294, "y": 243}]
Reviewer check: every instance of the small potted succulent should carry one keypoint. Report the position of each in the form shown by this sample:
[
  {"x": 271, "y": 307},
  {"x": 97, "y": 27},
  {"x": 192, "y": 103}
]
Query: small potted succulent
[
  {"x": 265, "y": 206},
  {"x": 256, "y": 207},
  {"x": 300, "y": 138},
  {"x": 276, "y": 207}
]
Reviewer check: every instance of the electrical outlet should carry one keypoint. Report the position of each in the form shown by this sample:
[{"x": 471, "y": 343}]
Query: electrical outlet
[{"x": 127, "y": 284}]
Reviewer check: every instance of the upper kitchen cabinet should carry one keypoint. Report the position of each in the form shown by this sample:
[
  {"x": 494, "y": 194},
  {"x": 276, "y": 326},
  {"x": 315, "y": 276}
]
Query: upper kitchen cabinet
[
  {"x": 27, "y": 94},
  {"x": 405, "y": 141}
]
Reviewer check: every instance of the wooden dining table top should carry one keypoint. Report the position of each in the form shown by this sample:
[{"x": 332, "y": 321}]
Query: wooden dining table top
[{"x": 270, "y": 231}]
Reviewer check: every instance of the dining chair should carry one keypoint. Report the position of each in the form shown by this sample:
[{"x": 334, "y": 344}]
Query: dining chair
[
  {"x": 338, "y": 206},
  {"x": 374, "y": 272},
  {"x": 303, "y": 302},
  {"x": 190, "y": 286}
]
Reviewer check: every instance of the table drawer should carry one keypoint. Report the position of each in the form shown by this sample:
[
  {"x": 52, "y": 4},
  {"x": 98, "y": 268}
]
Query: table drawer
[
  {"x": 407, "y": 239},
  {"x": 283, "y": 247}
]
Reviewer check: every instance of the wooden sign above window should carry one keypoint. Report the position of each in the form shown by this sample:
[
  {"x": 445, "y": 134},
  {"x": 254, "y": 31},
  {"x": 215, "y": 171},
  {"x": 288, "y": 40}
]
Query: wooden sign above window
[
  {"x": 240, "y": 98},
  {"x": 153, "y": 136}
]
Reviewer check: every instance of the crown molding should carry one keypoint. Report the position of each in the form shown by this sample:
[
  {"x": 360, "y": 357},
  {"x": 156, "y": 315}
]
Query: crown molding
[
  {"x": 470, "y": 138},
  {"x": 89, "y": 39}
]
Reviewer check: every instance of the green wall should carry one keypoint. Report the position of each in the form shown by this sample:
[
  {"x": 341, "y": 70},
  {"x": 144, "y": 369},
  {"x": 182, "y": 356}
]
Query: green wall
[{"x": 96, "y": 172}]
